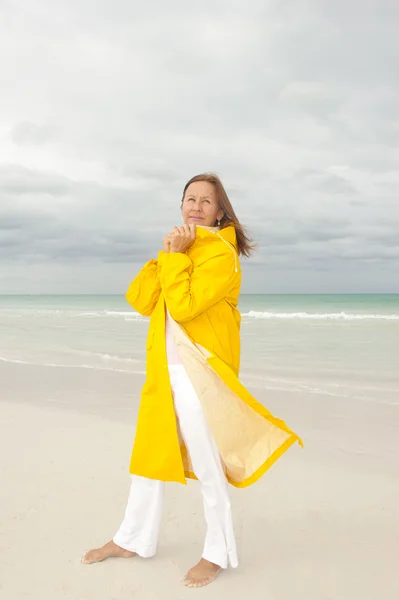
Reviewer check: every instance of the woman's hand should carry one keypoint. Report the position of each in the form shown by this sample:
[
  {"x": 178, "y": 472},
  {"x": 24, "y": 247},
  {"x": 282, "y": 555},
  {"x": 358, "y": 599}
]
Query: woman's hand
[
  {"x": 180, "y": 238},
  {"x": 166, "y": 243}
]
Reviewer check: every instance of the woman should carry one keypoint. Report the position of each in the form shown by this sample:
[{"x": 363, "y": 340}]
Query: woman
[{"x": 196, "y": 419}]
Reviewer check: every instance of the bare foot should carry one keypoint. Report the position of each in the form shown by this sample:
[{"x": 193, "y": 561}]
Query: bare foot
[
  {"x": 202, "y": 574},
  {"x": 106, "y": 551}
]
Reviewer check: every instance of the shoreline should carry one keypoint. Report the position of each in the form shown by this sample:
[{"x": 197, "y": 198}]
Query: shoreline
[{"x": 261, "y": 388}]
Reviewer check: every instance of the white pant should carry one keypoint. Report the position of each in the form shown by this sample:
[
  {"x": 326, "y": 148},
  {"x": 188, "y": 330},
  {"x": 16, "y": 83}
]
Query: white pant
[{"x": 139, "y": 530}]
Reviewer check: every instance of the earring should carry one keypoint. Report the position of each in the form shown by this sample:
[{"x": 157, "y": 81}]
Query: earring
[{"x": 218, "y": 222}]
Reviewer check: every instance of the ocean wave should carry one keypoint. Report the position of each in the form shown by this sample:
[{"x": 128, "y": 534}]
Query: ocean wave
[
  {"x": 342, "y": 316},
  {"x": 326, "y": 389},
  {"x": 111, "y": 313},
  {"x": 252, "y": 314},
  {"x": 59, "y": 312},
  {"x": 63, "y": 366},
  {"x": 108, "y": 357}
]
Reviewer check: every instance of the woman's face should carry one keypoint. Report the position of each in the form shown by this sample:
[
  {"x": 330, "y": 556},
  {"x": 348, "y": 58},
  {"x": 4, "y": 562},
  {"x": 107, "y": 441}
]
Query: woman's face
[{"x": 200, "y": 205}]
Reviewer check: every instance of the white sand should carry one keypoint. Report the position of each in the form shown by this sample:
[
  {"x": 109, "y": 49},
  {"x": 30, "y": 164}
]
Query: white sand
[{"x": 322, "y": 524}]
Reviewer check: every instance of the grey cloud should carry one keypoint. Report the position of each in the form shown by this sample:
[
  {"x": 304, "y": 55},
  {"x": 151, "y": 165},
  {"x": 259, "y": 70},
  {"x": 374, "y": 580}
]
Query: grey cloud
[
  {"x": 325, "y": 182},
  {"x": 312, "y": 97},
  {"x": 160, "y": 176},
  {"x": 107, "y": 231},
  {"x": 26, "y": 132},
  {"x": 18, "y": 180},
  {"x": 12, "y": 221},
  {"x": 66, "y": 244},
  {"x": 385, "y": 238}
]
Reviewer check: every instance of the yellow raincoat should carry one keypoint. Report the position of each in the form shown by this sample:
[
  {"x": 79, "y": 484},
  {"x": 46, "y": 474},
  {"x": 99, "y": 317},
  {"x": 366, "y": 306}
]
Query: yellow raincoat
[{"x": 200, "y": 290}]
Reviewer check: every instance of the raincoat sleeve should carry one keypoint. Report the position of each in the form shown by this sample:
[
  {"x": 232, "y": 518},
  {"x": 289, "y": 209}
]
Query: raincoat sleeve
[
  {"x": 190, "y": 291},
  {"x": 144, "y": 290}
]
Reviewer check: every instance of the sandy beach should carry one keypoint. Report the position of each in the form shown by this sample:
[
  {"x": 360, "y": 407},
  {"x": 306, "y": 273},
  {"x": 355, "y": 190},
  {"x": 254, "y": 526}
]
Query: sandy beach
[{"x": 322, "y": 524}]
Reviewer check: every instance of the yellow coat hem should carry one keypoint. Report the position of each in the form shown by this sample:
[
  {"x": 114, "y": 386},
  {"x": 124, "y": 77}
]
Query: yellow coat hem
[{"x": 261, "y": 471}]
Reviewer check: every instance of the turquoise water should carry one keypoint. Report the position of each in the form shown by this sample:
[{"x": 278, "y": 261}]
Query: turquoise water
[
  {"x": 341, "y": 345},
  {"x": 333, "y": 306},
  {"x": 354, "y": 304}
]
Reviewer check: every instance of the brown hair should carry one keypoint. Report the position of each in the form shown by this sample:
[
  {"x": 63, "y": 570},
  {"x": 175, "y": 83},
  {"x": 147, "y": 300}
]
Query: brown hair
[{"x": 244, "y": 243}]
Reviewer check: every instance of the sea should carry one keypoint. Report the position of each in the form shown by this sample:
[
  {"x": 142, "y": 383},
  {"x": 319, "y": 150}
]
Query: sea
[{"x": 345, "y": 346}]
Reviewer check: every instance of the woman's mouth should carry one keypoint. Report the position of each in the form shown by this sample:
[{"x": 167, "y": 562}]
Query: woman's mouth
[{"x": 196, "y": 218}]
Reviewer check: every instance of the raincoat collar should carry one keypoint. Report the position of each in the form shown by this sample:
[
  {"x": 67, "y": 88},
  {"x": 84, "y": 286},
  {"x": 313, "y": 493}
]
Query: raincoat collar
[{"x": 227, "y": 233}]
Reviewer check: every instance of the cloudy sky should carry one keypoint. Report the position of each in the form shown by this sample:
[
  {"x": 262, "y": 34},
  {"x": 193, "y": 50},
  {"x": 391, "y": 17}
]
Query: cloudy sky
[{"x": 108, "y": 108}]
